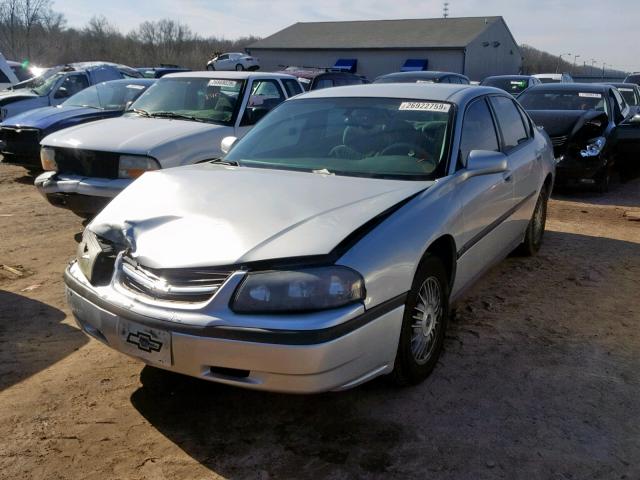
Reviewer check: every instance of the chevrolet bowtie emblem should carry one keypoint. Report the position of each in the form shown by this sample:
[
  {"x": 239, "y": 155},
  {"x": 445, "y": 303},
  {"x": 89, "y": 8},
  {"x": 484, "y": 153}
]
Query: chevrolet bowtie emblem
[{"x": 144, "y": 342}]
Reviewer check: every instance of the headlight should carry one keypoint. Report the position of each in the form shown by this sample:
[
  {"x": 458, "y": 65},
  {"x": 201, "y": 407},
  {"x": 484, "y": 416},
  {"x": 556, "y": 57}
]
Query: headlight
[
  {"x": 48, "y": 158},
  {"x": 300, "y": 290},
  {"x": 132, "y": 166},
  {"x": 594, "y": 147}
]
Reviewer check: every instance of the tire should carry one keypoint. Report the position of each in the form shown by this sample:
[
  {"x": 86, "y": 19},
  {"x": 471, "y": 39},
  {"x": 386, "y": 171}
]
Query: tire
[
  {"x": 535, "y": 230},
  {"x": 414, "y": 364},
  {"x": 210, "y": 67},
  {"x": 239, "y": 68}
]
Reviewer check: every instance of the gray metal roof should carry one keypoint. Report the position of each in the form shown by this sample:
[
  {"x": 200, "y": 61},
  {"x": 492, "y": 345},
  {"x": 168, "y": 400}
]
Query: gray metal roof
[{"x": 409, "y": 33}]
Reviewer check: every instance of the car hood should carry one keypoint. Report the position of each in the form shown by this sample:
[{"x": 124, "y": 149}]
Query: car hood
[
  {"x": 46, "y": 116},
  {"x": 213, "y": 215},
  {"x": 11, "y": 96},
  {"x": 566, "y": 127},
  {"x": 127, "y": 134}
]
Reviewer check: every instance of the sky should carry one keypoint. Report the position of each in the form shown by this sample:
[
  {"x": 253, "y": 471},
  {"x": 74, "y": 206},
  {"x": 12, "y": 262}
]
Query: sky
[{"x": 605, "y": 31}]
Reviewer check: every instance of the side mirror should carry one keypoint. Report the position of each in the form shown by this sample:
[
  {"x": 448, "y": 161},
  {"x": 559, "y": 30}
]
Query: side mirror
[
  {"x": 485, "y": 162},
  {"x": 227, "y": 144},
  {"x": 128, "y": 105},
  {"x": 61, "y": 93}
]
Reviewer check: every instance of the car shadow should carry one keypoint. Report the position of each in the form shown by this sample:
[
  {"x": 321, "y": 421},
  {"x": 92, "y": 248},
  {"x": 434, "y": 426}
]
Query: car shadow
[
  {"x": 621, "y": 194},
  {"x": 514, "y": 363},
  {"x": 32, "y": 337}
]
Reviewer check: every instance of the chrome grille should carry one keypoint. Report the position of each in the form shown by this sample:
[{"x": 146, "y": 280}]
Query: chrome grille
[{"x": 178, "y": 285}]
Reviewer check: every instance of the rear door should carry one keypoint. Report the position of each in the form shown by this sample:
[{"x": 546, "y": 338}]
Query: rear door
[{"x": 487, "y": 199}]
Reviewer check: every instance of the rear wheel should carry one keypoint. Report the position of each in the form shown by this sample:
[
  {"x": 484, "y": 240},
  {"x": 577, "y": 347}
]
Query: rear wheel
[
  {"x": 535, "y": 230},
  {"x": 424, "y": 323},
  {"x": 239, "y": 67}
]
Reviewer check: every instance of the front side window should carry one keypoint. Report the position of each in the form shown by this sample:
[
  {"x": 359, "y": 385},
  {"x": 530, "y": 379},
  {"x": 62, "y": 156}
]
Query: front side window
[
  {"x": 478, "y": 131},
  {"x": 630, "y": 95},
  {"x": 323, "y": 83},
  {"x": 265, "y": 95},
  {"x": 293, "y": 88},
  {"x": 510, "y": 122},
  {"x": 73, "y": 84},
  {"x": 373, "y": 137},
  {"x": 201, "y": 99},
  {"x": 4, "y": 78}
]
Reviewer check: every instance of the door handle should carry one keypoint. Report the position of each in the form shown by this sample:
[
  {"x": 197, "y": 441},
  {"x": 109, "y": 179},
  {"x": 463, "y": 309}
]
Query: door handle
[{"x": 507, "y": 176}]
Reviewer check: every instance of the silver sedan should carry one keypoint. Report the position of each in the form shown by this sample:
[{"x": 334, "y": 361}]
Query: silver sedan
[{"x": 326, "y": 247}]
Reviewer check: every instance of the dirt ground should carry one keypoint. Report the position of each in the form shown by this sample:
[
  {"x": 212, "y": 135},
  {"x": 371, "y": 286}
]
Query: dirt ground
[{"x": 540, "y": 378}]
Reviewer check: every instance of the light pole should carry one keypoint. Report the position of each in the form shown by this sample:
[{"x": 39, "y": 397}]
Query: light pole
[
  {"x": 575, "y": 57},
  {"x": 560, "y": 59},
  {"x": 593, "y": 63},
  {"x": 603, "y": 67}
]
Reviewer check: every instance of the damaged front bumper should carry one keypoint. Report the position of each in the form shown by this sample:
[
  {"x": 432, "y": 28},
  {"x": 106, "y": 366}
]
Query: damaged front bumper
[
  {"x": 82, "y": 195},
  {"x": 580, "y": 171},
  {"x": 295, "y": 353}
]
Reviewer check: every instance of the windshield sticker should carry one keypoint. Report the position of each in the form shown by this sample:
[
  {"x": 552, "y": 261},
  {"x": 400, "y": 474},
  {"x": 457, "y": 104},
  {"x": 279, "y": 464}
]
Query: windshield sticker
[
  {"x": 590, "y": 95},
  {"x": 217, "y": 82},
  {"x": 424, "y": 81},
  {"x": 625, "y": 89},
  {"x": 304, "y": 80},
  {"x": 425, "y": 106},
  {"x": 136, "y": 87},
  {"x": 519, "y": 83}
]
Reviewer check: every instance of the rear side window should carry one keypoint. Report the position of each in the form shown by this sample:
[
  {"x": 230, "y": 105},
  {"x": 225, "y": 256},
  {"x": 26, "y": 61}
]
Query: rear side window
[
  {"x": 292, "y": 87},
  {"x": 478, "y": 131},
  {"x": 510, "y": 122}
]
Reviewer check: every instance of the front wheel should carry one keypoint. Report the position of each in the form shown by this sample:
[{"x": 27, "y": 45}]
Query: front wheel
[
  {"x": 424, "y": 323},
  {"x": 535, "y": 230},
  {"x": 239, "y": 68},
  {"x": 210, "y": 67}
]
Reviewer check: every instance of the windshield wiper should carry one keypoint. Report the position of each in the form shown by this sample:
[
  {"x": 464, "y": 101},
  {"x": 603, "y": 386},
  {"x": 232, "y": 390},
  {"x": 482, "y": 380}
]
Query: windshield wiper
[
  {"x": 142, "y": 113},
  {"x": 176, "y": 115},
  {"x": 220, "y": 161}
]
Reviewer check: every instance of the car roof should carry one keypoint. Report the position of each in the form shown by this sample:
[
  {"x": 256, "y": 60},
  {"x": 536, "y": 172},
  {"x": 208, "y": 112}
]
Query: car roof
[
  {"x": 311, "y": 73},
  {"x": 242, "y": 75},
  {"x": 571, "y": 87},
  {"x": 622, "y": 84},
  {"x": 449, "y": 92},
  {"x": 420, "y": 73},
  {"x": 134, "y": 81},
  {"x": 515, "y": 77}
]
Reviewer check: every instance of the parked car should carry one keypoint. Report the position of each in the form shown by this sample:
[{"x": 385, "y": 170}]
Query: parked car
[
  {"x": 326, "y": 247},
  {"x": 181, "y": 120},
  {"x": 20, "y": 135},
  {"x": 317, "y": 78},
  {"x": 159, "y": 72},
  {"x": 554, "y": 77},
  {"x": 633, "y": 78},
  {"x": 423, "y": 77},
  {"x": 233, "y": 61},
  {"x": 55, "y": 89},
  {"x": 591, "y": 127},
  {"x": 8, "y": 75},
  {"x": 630, "y": 92},
  {"x": 514, "y": 84}
]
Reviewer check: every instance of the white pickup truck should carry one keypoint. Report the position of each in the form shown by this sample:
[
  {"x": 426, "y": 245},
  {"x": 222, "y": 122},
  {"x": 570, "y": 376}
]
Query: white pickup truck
[{"x": 180, "y": 120}]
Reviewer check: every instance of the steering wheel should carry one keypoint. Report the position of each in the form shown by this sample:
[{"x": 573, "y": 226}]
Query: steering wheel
[{"x": 408, "y": 149}]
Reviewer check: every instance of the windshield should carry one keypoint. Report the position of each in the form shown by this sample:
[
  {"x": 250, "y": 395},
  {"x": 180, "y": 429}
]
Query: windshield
[
  {"x": 36, "y": 81},
  {"x": 106, "y": 96},
  {"x": 201, "y": 99},
  {"x": 42, "y": 86},
  {"x": 373, "y": 137},
  {"x": 549, "y": 80},
  {"x": 630, "y": 95},
  {"x": 510, "y": 85},
  {"x": 562, "y": 100},
  {"x": 633, "y": 79}
]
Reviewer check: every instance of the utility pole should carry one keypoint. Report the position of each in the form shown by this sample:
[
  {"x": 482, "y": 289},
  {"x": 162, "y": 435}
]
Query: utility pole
[
  {"x": 603, "y": 65},
  {"x": 445, "y": 9},
  {"x": 593, "y": 63},
  {"x": 575, "y": 57},
  {"x": 560, "y": 60}
]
